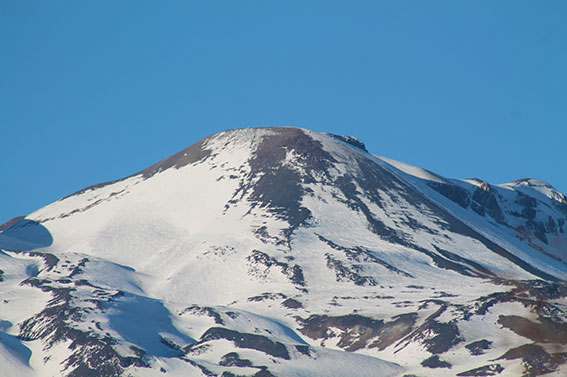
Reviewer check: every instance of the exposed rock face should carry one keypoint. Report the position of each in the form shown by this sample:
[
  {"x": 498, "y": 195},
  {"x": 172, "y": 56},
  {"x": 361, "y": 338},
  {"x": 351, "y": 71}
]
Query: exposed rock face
[
  {"x": 479, "y": 347},
  {"x": 535, "y": 359},
  {"x": 91, "y": 351},
  {"x": 485, "y": 201},
  {"x": 455, "y": 193},
  {"x": 283, "y": 252},
  {"x": 486, "y": 370},
  {"x": 435, "y": 362},
  {"x": 351, "y": 140},
  {"x": 536, "y": 219},
  {"x": 358, "y": 331},
  {"x": 241, "y": 340}
]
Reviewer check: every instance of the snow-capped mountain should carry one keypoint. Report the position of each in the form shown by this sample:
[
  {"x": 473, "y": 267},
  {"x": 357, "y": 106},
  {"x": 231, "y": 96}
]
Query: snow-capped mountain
[{"x": 285, "y": 252}]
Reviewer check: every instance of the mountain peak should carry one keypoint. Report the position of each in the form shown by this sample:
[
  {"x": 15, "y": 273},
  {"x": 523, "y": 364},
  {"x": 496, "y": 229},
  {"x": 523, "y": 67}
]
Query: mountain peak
[{"x": 282, "y": 251}]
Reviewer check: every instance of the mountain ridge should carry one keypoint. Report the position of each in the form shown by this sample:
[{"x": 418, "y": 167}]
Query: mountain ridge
[{"x": 259, "y": 251}]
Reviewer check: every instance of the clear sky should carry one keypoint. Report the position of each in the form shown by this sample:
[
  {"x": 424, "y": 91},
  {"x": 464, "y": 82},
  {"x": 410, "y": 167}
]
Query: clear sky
[{"x": 92, "y": 91}]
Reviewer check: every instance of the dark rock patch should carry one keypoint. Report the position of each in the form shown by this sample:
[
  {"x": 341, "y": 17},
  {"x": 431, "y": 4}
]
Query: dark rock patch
[
  {"x": 92, "y": 354},
  {"x": 448, "y": 264},
  {"x": 485, "y": 200},
  {"x": 543, "y": 290},
  {"x": 443, "y": 294},
  {"x": 349, "y": 189},
  {"x": 413, "y": 286},
  {"x": 360, "y": 254},
  {"x": 486, "y": 370},
  {"x": 535, "y": 359},
  {"x": 244, "y": 340},
  {"x": 49, "y": 260},
  {"x": 547, "y": 331},
  {"x": 291, "y": 303},
  {"x": 350, "y": 140},
  {"x": 435, "y": 362},
  {"x": 266, "y": 296},
  {"x": 230, "y": 374},
  {"x": 202, "y": 368},
  {"x": 277, "y": 186},
  {"x": 232, "y": 359},
  {"x": 303, "y": 349},
  {"x": 395, "y": 330},
  {"x": 447, "y": 336},
  {"x": 358, "y": 331},
  {"x": 97, "y": 186},
  {"x": 263, "y": 235},
  {"x": 528, "y": 203},
  {"x": 78, "y": 269},
  {"x": 480, "y": 270},
  {"x": 535, "y": 295},
  {"x": 455, "y": 193},
  {"x": 349, "y": 272},
  {"x": 539, "y": 229},
  {"x": 208, "y": 311},
  {"x": 437, "y": 337},
  {"x": 264, "y": 373},
  {"x": 170, "y": 343},
  {"x": 294, "y": 273},
  {"x": 232, "y": 315},
  {"x": 479, "y": 347},
  {"x": 191, "y": 155}
]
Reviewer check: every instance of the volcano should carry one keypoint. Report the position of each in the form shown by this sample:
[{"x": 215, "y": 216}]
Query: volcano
[{"x": 286, "y": 252}]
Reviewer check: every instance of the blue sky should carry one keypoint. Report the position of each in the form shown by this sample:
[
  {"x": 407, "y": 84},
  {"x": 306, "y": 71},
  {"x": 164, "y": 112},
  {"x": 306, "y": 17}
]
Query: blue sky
[{"x": 92, "y": 91}]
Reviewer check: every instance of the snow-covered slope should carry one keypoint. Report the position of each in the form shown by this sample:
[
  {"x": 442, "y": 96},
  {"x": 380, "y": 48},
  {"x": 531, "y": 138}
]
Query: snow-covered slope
[
  {"x": 526, "y": 211},
  {"x": 286, "y": 252}
]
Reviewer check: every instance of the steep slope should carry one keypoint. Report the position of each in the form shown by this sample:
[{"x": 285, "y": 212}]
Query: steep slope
[
  {"x": 526, "y": 210},
  {"x": 286, "y": 252}
]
